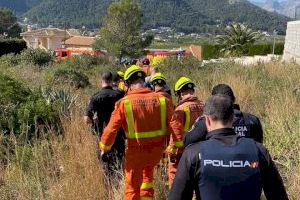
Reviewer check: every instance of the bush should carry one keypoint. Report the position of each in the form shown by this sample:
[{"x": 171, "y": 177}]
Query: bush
[
  {"x": 11, "y": 46},
  {"x": 37, "y": 57},
  {"x": 264, "y": 49},
  {"x": 10, "y": 59},
  {"x": 23, "y": 110},
  {"x": 71, "y": 77},
  {"x": 84, "y": 61},
  {"x": 212, "y": 51}
]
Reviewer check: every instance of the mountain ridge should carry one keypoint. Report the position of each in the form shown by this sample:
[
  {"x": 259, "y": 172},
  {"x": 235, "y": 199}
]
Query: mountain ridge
[
  {"x": 286, "y": 8},
  {"x": 182, "y": 15}
]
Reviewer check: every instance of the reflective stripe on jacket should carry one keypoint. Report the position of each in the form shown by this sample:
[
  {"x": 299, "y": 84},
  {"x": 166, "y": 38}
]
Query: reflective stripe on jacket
[
  {"x": 132, "y": 134},
  {"x": 188, "y": 111},
  {"x": 141, "y": 114}
]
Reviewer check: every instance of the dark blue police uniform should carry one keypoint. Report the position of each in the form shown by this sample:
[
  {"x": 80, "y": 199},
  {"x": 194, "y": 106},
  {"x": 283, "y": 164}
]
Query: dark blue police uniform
[
  {"x": 244, "y": 124},
  {"x": 227, "y": 167}
]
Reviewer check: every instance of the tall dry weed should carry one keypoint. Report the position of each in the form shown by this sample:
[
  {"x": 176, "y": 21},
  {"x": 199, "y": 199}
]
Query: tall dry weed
[{"x": 67, "y": 167}]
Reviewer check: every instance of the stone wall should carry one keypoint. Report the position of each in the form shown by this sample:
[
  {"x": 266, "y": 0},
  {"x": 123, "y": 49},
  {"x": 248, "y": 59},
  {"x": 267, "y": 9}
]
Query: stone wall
[{"x": 292, "y": 42}]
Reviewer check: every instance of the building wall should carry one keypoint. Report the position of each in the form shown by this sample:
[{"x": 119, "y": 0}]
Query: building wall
[
  {"x": 55, "y": 43},
  {"x": 292, "y": 42},
  {"x": 30, "y": 41}
]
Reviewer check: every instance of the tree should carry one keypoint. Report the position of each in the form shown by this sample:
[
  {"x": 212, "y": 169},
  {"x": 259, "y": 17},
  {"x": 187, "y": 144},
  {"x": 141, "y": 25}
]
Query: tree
[
  {"x": 8, "y": 23},
  {"x": 121, "y": 31},
  {"x": 236, "y": 39}
]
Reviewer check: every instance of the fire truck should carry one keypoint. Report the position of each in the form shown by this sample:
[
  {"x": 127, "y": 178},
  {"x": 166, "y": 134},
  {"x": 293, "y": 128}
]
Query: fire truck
[{"x": 64, "y": 53}]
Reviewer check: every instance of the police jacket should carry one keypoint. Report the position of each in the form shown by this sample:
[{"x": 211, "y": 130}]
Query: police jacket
[
  {"x": 227, "y": 167},
  {"x": 244, "y": 124}
]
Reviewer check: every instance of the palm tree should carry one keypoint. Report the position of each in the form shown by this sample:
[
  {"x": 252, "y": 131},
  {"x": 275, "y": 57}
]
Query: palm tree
[{"x": 236, "y": 38}]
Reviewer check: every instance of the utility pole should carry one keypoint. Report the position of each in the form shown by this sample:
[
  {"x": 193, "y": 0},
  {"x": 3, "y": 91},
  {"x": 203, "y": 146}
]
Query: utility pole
[{"x": 274, "y": 36}]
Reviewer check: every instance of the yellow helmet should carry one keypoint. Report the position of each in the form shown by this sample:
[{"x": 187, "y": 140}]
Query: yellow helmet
[
  {"x": 184, "y": 81},
  {"x": 158, "y": 77},
  {"x": 132, "y": 70},
  {"x": 121, "y": 74}
]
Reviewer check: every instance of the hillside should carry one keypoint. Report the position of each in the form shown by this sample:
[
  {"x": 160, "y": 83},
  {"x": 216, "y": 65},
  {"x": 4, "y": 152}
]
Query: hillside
[
  {"x": 283, "y": 7},
  {"x": 184, "y": 15},
  {"x": 20, "y": 6}
]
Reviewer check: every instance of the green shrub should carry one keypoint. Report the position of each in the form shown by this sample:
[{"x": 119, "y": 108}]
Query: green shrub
[
  {"x": 264, "y": 49},
  {"x": 37, "y": 57},
  {"x": 84, "y": 61},
  {"x": 12, "y": 91},
  {"x": 11, "y": 46},
  {"x": 210, "y": 51},
  {"x": 71, "y": 77},
  {"x": 10, "y": 59},
  {"x": 36, "y": 115},
  {"x": 24, "y": 111}
]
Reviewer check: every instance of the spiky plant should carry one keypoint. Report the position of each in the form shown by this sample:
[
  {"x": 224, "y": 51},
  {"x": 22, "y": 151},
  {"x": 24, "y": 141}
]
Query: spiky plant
[
  {"x": 236, "y": 38},
  {"x": 66, "y": 98}
]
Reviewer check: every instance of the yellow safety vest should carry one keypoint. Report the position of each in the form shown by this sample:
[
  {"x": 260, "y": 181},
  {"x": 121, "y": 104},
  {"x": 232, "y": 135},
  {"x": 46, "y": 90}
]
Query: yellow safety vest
[
  {"x": 132, "y": 134},
  {"x": 187, "y": 119}
]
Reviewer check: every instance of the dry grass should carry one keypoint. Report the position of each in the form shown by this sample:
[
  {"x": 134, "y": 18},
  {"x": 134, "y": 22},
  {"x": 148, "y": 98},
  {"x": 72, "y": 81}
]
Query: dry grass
[{"x": 67, "y": 167}]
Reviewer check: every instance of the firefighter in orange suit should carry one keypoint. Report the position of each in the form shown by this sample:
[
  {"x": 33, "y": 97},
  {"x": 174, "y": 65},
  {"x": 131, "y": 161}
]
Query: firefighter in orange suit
[
  {"x": 146, "y": 118},
  {"x": 187, "y": 111},
  {"x": 159, "y": 85}
]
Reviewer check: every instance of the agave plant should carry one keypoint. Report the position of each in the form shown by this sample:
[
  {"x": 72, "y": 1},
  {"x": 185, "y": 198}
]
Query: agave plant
[
  {"x": 236, "y": 38},
  {"x": 66, "y": 98}
]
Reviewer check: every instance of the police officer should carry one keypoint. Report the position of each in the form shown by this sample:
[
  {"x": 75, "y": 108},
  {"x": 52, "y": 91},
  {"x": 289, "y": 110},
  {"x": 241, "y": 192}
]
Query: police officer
[
  {"x": 98, "y": 114},
  {"x": 244, "y": 124},
  {"x": 226, "y": 166}
]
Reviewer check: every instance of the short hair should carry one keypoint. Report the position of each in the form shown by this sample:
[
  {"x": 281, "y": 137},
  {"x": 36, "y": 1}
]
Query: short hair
[
  {"x": 219, "y": 108},
  {"x": 223, "y": 89},
  {"x": 107, "y": 77},
  {"x": 116, "y": 77}
]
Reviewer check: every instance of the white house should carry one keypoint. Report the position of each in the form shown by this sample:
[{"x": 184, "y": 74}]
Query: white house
[{"x": 45, "y": 38}]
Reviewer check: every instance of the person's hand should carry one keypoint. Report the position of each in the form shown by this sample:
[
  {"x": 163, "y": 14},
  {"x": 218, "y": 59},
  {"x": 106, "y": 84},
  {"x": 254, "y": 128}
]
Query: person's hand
[
  {"x": 101, "y": 153},
  {"x": 171, "y": 150}
]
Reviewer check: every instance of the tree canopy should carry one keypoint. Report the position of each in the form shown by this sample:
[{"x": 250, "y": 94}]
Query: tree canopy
[
  {"x": 188, "y": 16},
  {"x": 8, "y": 23},
  {"x": 121, "y": 31}
]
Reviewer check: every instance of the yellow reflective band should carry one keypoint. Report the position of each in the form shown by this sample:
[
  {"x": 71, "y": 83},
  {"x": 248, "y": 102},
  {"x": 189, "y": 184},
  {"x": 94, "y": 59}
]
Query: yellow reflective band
[
  {"x": 163, "y": 114},
  {"x": 142, "y": 135},
  {"x": 129, "y": 117},
  {"x": 178, "y": 144},
  {"x": 146, "y": 198},
  {"x": 130, "y": 121},
  {"x": 187, "y": 119},
  {"x": 146, "y": 186},
  {"x": 104, "y": 147}
]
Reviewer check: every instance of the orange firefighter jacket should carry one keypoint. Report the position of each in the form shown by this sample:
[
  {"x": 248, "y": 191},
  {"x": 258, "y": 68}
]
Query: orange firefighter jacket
[
  {"x": 146, "y": 118},
  {"x": 187, "y": 112},
  {"x": 162, "y": 92}
]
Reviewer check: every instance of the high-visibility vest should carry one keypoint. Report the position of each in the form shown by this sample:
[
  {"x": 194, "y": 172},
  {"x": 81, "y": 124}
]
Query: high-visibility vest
[
  {"x": 187, "y": 123},
  {"x": 132, "y": 134}
]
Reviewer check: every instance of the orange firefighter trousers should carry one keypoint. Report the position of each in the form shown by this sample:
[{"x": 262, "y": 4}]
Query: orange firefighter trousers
[{"x": 139, "y": 165}]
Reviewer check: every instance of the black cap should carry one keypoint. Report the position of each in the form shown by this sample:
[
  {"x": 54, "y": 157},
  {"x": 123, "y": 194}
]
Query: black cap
[{"x": 223, "y": 89}]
